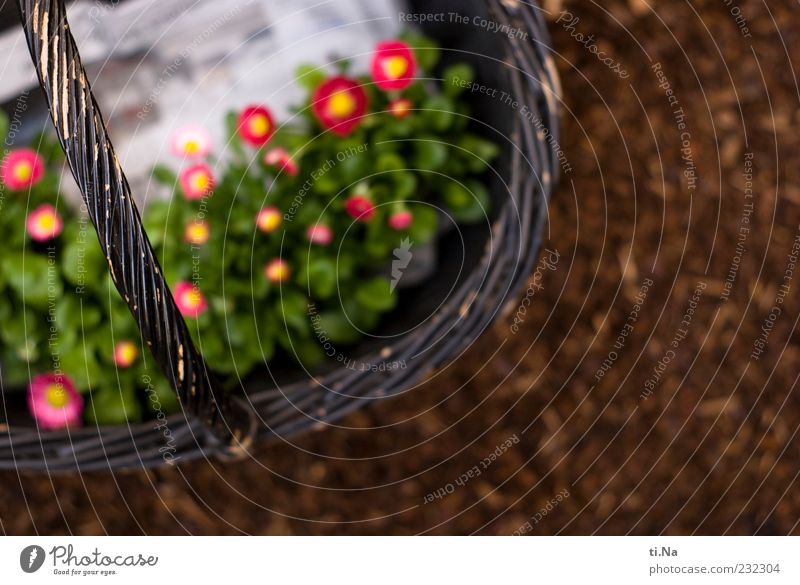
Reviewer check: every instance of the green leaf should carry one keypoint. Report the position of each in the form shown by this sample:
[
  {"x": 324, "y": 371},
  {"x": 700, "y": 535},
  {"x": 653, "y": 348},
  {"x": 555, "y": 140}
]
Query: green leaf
[
  {"x": 326, "y": 184},
  {"x": 479, "y": 153},
  {"x": 438, "y": 113},
  {"x": 376, "y": 295},
  {"x": 165, "y": 176},
  {"x": 234, "y": 142},
  {"x": 214, "y": 350},
  {"x": 307, "y": 352},
  {"x": 4, "y": 123},
  {"x": 14, "y": 371},
  {"x": 390, "y": 162},
  {"x": 378, "y": 249},
  {"x": 242, "y": 329},
  {"x": 336, "y": 326},
  {"x": 33, "y": 277},
  {"x": 456, "y": 196},
  {"x": 19, "y": 326},
  {"x": 426, "y": 51},
  {"x": 113, "y": 406},
  {"x": 353, "y": 168},
  {"x": 405, "y": 185},
  {"x": 457, "y": 78},
  {"x": 81, "y": 365},
  {"x": 82, "y": 261},
  {"x": 264, "y": 349},
  {"x": 429, "y": 154},
  {"x": 291, "y": 311},
  {"x": 478, "y": 207},
  {"x": 425, "y": 225},
  {"x": 154, "y": 220},
  {"x": 160, "y": 398},
  {"x": 320, "y": 278},
  {"x": 309, "y": 76},
  {"x": 363, "y": 318}
]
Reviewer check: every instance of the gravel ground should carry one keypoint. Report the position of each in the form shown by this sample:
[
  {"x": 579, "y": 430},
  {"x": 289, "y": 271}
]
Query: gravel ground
[{"x": 651, "y": 387}]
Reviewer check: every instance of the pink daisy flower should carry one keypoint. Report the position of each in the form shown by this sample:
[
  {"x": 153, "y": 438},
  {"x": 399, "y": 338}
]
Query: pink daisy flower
[
  {"x": 44, "y": 223},
  {"x": 190, "y": 301},
  {"x": 278, "y": 157},
  {"x": 319, "y": 233},
  {"x": 191, "y": 142},
  {"x": 125, "y": 353},
  {"x": 197, "y": 181},
  {"x": 22, "y": 168},
  {"x": 277, "y": 271},
  {"x": 54, "y": 402},
  {"x": 269, "y": 219}
]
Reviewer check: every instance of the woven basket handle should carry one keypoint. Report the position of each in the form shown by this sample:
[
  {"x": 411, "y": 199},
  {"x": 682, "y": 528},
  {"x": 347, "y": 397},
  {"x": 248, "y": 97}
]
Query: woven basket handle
[{"x": 134, "y": 268}]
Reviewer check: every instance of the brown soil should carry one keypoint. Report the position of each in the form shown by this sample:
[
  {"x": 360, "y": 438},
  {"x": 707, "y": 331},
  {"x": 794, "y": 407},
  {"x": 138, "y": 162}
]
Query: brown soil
[{"x": 710, "y": 448}]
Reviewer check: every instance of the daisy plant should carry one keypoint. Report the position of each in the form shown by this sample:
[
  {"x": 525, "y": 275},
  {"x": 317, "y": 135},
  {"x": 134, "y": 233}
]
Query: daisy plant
[{"x": 285, "y": 230}]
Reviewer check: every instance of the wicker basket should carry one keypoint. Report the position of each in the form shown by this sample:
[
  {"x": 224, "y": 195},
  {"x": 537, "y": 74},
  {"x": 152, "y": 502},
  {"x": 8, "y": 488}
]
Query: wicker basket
[{"x": 515, "y": 59}]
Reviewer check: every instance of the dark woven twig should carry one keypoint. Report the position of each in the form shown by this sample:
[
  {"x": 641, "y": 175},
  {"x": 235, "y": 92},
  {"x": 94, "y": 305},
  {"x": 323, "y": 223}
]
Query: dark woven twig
[
  {"x": 134, "y": 268},
  {"x": 307, "y": 404}
]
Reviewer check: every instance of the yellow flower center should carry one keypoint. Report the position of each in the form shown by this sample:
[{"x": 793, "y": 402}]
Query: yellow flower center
[
  {"x": 258, "y": 125},
  {"x": 47, "y": 222},
  {"x": 56, "y": 396},
  {"x": 197, "y": 233},
  {"x": 193, "y": 298},
  {"x": 341, "y": 104},
  {"x": 395, "y": 67},
  {"x": 127, "y": 353},
  {"x": 23, "y": 171},
  {"x": 270, "y": 222},
  {"x": 278, "y": 273},
  {"x": 400, "y": 108},
  {"x": 201, "y": 181},
  {"x": 191, "y": 146}
]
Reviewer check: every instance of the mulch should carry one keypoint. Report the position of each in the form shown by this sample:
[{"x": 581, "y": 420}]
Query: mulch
[{"x": 577, "y": 423}]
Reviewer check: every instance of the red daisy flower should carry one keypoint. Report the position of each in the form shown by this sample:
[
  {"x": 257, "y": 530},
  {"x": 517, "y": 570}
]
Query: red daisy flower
[
  {"x": 393, "y": 65},
  {"x": 339, "y": 104},
  {"x": 278, "y": 157},
  {"x": 401, "y": 220},
  {"x": 359, "y": 207},
  {"x": 256, "y": 125}
]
